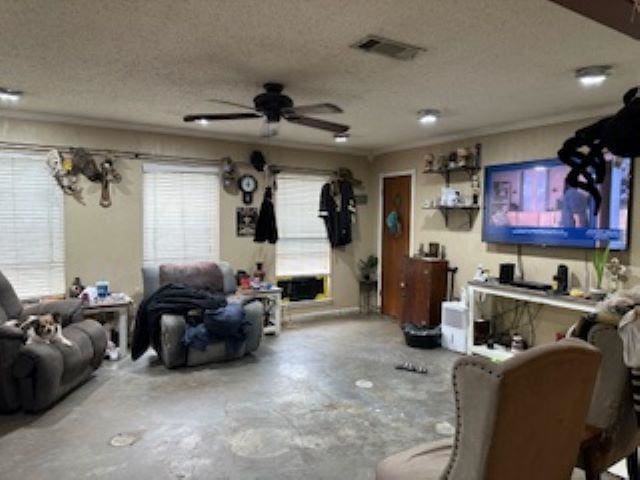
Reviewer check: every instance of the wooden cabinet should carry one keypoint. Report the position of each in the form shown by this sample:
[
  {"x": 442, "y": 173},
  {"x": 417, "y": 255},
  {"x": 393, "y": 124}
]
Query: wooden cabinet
[{"x": 424, "y": 287}]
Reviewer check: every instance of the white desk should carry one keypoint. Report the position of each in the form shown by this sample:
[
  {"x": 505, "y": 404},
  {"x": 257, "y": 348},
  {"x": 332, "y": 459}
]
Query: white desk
[{"x": 531, "y": 296}]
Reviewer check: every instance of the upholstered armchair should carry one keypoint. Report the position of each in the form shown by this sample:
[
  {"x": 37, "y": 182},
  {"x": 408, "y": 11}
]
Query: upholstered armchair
[
  {"x": 522, "y": 419},
  {"x": 33, "y": 377},
  {"x": 611, "y": 409},
  {"x": 171, "y": 350}
]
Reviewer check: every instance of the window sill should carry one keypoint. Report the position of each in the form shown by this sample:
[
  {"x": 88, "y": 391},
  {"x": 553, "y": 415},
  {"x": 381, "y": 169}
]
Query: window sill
[{"x": 305, "y": 304}]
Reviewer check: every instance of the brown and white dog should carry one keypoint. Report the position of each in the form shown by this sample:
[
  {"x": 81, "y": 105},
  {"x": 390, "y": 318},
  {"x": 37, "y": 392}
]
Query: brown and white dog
[{"x": 42, "y": 329}]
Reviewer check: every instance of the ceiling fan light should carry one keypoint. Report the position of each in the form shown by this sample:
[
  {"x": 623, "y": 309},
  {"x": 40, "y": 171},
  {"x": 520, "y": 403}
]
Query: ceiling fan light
[
  {"x": 10, "y": 95},
  {"x": 270, "y": 129},
  {"x": 428, "y": 116},
  {"x": 341, "y": 137},
  {"x": 593, "y": 76}
]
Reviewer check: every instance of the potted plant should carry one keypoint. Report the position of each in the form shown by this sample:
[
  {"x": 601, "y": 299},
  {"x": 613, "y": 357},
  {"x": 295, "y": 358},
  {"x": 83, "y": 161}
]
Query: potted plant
[
  {"x": 368, "y": 268},
  {"x": 600, "y": 259}
]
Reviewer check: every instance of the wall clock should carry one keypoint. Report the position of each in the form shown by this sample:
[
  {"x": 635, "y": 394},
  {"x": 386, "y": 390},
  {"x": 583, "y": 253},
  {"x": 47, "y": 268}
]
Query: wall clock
[{"x": 247, "y": 185}]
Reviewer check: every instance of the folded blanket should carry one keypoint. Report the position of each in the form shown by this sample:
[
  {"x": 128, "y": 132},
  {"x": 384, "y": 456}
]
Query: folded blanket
[{"x": 174, "y": 299}]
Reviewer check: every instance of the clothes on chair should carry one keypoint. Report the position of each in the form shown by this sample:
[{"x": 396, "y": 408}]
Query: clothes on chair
[
  {"x": 226, "y": 324},
  {"x": 266, "y": 228},
  {"x": 174, "y": 299}
]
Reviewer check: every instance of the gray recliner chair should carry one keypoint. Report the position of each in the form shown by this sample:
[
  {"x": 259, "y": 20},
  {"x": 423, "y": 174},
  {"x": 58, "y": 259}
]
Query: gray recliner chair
[
  {"x": 172, "y": 351},
  {"x": 33, "y": 377}
]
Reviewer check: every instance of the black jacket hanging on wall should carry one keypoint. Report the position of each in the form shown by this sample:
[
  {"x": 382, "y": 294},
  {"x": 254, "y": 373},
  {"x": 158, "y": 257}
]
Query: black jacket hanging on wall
[
  {"x": 338, "y": 218},
  {"x": 266, "y": 229}
]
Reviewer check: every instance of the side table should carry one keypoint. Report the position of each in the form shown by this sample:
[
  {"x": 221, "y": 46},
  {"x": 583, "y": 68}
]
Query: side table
[
  {"x": 367, "y": 288},
  {"x": 120, "y": 306},
  {"x": 267, "y": 296}
]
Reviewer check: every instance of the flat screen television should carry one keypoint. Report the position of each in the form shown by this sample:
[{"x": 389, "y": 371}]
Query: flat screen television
[{"x": 529, "y": 203}]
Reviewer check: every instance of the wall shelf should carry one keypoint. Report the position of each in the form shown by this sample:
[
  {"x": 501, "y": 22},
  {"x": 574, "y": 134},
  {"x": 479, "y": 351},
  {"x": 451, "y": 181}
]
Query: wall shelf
[
  {"x": 470, "y": 210},
  {"x": 446, "y": 172}
]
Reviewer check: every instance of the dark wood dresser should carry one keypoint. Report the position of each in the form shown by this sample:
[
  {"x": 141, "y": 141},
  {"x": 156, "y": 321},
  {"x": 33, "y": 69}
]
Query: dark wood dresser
[{"x": 424, "y": 287}]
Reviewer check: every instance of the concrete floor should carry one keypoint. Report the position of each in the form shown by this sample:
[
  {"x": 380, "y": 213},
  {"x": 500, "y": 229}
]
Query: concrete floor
[{"x": 290, "y": 411}]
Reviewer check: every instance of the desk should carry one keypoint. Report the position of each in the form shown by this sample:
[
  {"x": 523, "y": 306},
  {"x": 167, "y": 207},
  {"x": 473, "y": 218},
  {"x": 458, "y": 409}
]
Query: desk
[
  {"x": 120, "y": 306},
  {"x": 523, "y": 294},
  {"x": 267, "y": 296}
]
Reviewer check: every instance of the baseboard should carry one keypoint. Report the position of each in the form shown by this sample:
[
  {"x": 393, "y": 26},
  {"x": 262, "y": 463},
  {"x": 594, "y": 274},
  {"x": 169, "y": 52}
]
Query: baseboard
[{"x": 320, "y": 313}]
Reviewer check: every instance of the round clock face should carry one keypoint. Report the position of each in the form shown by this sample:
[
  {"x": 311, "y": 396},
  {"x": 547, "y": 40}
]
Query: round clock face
[{"x": 248, "y": 183}]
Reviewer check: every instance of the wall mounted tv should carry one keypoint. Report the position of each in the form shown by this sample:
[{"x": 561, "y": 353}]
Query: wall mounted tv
[{"x": 528, "y": 203}]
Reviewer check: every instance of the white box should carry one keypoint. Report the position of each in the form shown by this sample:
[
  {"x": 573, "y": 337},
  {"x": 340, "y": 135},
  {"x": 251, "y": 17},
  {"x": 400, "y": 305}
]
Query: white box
[{"x": 454, "y": 326}]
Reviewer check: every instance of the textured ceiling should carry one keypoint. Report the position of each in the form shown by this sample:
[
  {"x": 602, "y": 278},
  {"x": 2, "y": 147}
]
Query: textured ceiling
[{"x": 488, "y": 64}]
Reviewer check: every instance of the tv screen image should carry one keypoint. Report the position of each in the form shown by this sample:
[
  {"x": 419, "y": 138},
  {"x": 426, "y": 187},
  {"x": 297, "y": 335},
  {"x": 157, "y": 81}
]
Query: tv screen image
[{"x": 530, "y": 203}]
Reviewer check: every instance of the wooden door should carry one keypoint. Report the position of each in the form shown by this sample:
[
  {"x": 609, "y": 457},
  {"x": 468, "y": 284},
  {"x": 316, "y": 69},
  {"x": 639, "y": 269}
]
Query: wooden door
[{"x": 396, "y": 197}]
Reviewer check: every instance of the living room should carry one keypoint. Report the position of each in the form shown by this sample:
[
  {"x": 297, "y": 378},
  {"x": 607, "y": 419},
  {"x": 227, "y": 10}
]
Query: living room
[{"x": 390, "y": 195}]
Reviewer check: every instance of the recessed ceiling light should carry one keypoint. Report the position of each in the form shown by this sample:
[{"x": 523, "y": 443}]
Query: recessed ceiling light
[
  {"x": 202, "y": 121},
  {"x": 428, "y": 116},
  {"x": 10, "y": 95},
  {"x": 341, "y": 137},
  {"x": 594, "y": 75}
]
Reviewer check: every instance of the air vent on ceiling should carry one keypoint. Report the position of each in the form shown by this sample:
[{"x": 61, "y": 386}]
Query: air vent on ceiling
[{"x": 387, "y": 47}]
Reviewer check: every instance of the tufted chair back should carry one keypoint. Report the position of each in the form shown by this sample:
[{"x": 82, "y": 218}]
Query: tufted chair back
[{"x": 523, "y": 418}]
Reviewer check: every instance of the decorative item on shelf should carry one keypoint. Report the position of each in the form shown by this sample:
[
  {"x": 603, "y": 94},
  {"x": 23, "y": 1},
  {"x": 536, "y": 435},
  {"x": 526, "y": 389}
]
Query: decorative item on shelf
[
  {"x": 421, "y": 251},
  {"x": 76, "y": 288},
  {"x": 600, "y": 258},
  {"x": 246, "y": 219},
  {"x": 463, "y": 157},
  {"x": 618, "y": 273},
  {"x": 482, "y": 274},
  {"x": 450, "y": 197},
  {"x": 108, "y": 175},
  {"x": 429, "y": 162},
  {"x": 440, "y": 163},
  {"x": 452, "y": 161},
  {"x": 475, "y": 189},
  {"x": 259, "y": 273},
  {"x": 434, "y": 250}
]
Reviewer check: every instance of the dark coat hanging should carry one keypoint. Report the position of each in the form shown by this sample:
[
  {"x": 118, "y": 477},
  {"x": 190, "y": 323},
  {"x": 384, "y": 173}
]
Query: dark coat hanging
[
  {"x": 338, "y": 218},
  {"x": 266, "y": 228}
]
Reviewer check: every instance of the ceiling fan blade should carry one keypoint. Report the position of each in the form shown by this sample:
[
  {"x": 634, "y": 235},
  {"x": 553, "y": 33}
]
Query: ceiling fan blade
[
  {"x": 317, "y": 108},
  {"x": 220, "y": 116},
  {"x": 316, "y": 123},
  {"x": 233, "y": 104}
]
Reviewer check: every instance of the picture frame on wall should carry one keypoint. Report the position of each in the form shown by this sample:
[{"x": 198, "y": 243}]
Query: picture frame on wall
[{"x": 246, "y": 219}]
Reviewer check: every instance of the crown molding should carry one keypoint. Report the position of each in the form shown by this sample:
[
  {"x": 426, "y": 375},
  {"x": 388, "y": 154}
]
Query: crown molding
[
  {"x": 164, "y": 130},
  {"x": 501, "y": 128}
]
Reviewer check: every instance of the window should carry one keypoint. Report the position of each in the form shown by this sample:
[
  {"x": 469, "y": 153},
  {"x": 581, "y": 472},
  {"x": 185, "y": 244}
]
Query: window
[
  {"x": 31, "y": 225},
  {"x": 181, "y": 214},
  {"x": 302, "y": 248}
]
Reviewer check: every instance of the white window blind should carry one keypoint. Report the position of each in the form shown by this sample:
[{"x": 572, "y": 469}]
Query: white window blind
[
  {"x": 302, "y": 248},
  {"x": 31, "y": 225},
  {"x": 180, "y": 214}
]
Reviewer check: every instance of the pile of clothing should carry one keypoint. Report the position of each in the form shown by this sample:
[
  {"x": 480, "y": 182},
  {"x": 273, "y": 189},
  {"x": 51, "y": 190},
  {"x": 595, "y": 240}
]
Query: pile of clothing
[{"x": 208, "y": 315}]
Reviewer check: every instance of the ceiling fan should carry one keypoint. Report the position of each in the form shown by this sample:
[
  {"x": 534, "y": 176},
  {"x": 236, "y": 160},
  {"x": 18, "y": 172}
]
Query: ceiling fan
[{"x": 273, "y": 105}]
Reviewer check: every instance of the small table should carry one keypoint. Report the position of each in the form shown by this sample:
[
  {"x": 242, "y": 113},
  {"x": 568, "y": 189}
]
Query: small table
[
  {"x": 367, "y": 287},
  {"x": 266, "y": 296},
  {"x": 118, "y": 304}
]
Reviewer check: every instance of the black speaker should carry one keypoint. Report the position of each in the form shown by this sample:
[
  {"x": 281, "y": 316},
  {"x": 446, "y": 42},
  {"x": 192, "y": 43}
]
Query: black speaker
[
  {"x": 562, "y": 279},
  {"x": 507, "y": 271}
]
